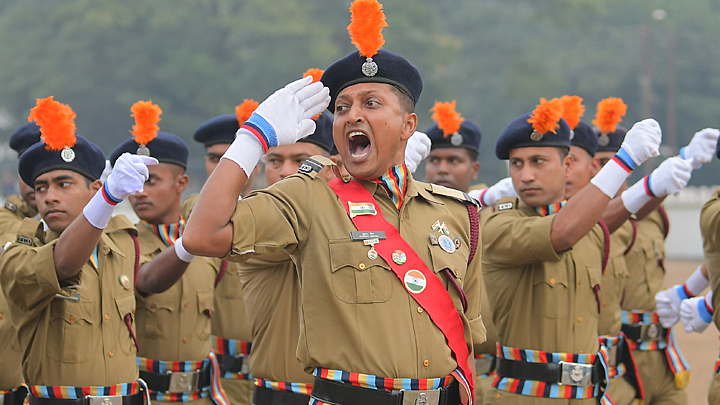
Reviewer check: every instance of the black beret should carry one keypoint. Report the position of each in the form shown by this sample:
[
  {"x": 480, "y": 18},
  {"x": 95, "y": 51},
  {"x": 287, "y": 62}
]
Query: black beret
[
  {"x": 85, "y": 158},
  {"x": 467, "y": 137},
  {"x": 717, "y": 149},
  {"x": 610, "y": 142},
  {"x": 391, "y": 68},
  {"x": 24, "y": 137},
  {"x": 220, "y": 129},
  {"x": 520, "y": 134},
  {"x": 165, "y": 147},
  {"x": 323, "y": 135},
  {"x": 584, "y": 137}
]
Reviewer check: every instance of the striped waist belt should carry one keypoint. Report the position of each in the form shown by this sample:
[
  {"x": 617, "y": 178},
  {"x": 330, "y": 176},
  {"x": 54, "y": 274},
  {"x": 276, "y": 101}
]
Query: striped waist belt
[
  {"x": 120, "y": 394},
  {"x": 13, "y": 397},
  {"x": 484, "y": 365},
  {"x": 616, "y": 360},
  {"x": 182, "y": 381},
  {"x": 551, "y": 375},
  {"x": 281, "y": 393},
  {"x": 342, "y": 387},
  {"x": 717, "y": 366},
  {"x": 233, "y": 356}
]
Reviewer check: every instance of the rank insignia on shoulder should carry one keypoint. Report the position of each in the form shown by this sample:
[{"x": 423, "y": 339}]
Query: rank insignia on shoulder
[
  {"x": 310, "y": 166},
  {"x": 24, "y": 240},
  {"x": 10, "y": 206},
  {"x": 505, "y": 206}
]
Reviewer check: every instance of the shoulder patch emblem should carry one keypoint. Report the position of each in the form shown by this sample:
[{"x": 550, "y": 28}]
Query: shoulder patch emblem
[
  {"x": 10, "y": 206},
  {"x": 452, "y": 193},
  {"x": 505, "y": 206},
  {"x": 24, "y": 240}
]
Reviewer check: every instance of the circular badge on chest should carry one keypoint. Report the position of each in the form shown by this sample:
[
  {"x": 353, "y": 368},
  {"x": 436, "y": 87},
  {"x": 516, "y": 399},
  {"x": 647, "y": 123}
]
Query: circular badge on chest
[
  {"x": 446, "y": 244},
  {"x": 415, "y": 281}
]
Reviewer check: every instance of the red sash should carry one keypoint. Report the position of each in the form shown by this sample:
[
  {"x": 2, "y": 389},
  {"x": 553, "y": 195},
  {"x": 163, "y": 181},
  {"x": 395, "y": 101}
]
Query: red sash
[{"x": 434, "y": 298}]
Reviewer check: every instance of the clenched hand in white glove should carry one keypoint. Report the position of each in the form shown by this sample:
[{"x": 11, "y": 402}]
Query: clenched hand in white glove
[
  {"x": 668, "y": 305},
  {"x": 701, "y": 147},
  {"x": 642, "y": 141},
  {"x": 493, "y": 194},
  {"x": 669, "y": 178},
  {"x": 417, "y": 149},
  {"x": 697, "y": 313}
]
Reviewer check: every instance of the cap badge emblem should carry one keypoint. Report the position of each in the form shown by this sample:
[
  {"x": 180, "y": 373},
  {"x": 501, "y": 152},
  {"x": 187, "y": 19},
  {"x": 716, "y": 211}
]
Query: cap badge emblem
[
  {"x": 67, "y": 154},
  {"x": 369, "y": 68}
]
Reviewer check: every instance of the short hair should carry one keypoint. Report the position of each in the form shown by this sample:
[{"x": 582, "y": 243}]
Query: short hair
[
  {"x": 473, "y": 154},
  {"x": 406, "y": 101},
  {"x": 563, "y": 151}
]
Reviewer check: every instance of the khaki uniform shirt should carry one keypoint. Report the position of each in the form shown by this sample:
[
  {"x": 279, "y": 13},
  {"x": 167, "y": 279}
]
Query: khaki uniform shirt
[
  {"x": 490, "y": 344},
  {"x": 69, "y": 342},
  {"x": 229, "y": 318},
  {"x": 10, "y": 353},
  {"x": 613, "y": 281},
  {"x": 644, "y": 263},
  {"x": 356, "y": 314},
  {"x": 13, "y": 213},
  {"x": 175, "y": 325},
  {"x": 709, "y": 225},
  {"x": 542, "y": 299},
  {"x": 272, "y": 291}
]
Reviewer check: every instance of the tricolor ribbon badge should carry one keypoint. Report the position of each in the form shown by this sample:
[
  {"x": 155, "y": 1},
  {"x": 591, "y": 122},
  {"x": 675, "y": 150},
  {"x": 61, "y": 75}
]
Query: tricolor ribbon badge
[
  {"x": 415, "y": 281},
  {"x": 361, "y": 209}
]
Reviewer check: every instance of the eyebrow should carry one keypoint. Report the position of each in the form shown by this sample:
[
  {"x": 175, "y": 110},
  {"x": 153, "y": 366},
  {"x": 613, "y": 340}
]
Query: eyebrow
[
  {"x": 62, "y": 178},
  {"x": 362, "y": 93}
]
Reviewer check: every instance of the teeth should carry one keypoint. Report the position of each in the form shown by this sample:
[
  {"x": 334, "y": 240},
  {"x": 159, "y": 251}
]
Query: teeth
[{"x": 354, "y": 134}]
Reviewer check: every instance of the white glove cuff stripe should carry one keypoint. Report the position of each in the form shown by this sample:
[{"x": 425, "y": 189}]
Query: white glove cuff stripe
[
  {"x": 98, "y": 211},
  {"x": 610, "y": 178},
  {"x": 181, "y": 253}
]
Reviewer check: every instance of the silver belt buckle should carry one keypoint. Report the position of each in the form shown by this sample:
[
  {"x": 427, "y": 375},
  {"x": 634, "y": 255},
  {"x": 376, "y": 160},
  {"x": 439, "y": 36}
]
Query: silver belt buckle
[
  {"x": 576, "y": 374},
  {"x": 184, "y": 382},
  {"x": 612, "y": 356},
  {"x": 2, "y": 399},
  {"x": 484, "y": 365},
  {"x": 245, "y": 368},
  {"x": 417, "y": 397},
  {"x": 104, "y": 400},
  {"x": 650, "y": 332}
]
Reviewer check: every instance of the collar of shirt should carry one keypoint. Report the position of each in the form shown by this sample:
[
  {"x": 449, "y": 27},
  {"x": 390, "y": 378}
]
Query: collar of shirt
[
  {"x": 395, "y": 182},
  {"x": 168, "y": 233},
  {"x": 546, "y": 210}
]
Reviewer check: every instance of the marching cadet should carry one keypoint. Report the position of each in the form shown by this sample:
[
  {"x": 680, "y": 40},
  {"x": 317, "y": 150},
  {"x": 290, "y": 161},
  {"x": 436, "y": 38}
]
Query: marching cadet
[
  {"x": 17, "y": 208},
  {"x": 356, "y": 272},
  {"x": 173, "y": 326},
  {"x": 231, "y": 333},
  {"x": 542, "y": 261},
  {"x": 70, "y": 290}
]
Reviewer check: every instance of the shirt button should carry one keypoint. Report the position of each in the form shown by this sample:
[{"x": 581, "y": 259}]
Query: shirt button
[
  {"x": 552, "y": 281},
  {"x": 2, "y": 316},
  {"x": 71, "y": 319},
  {"x": 579, "y": 282},
  {"x": 111, "y": 354},
  {"x": 497, "y": 396},
  {"x": 420, "y": 310},
  {"x": 186, "y": 304},
  {"x": 107, "y": 316},
  {"x": 361, "y": 266},
  {"x": 153, "y": 306},
  {"x": 579, "y": 318},
  {"x": 605, "y": 304},
  {"x": 185, "y": 340},
  {"x": 426, "y": 363},
  {"x": 581, "y": 352}
]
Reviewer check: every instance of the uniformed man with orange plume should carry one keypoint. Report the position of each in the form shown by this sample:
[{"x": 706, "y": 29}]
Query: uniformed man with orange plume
[
  {"x": 543, "y": 258},
  {"x": 70, "y": 290},
  {"x": 386, "y": 314},
  {"x": 173, "y": 318}
]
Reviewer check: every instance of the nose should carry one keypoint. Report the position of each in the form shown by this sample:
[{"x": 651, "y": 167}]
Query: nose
[
  {"x": 355, "y": 114},
  {"x": 527, "y": 175},
  {"x": 288, "y": 168},
  {"x": 443, "y": 167},
  {"x": 51, "y": 196}
]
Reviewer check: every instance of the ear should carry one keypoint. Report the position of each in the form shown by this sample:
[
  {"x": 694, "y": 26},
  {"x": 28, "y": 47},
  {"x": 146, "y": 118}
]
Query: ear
[
  {"x": 568, "y": 163},
  {"x": 182, "y": 183},
  {"x": 475, "y": 169},
  {"x": 95, "y": 186},
  {"x": 595, "y": 165},
  {"x": 410, "y": 121}
]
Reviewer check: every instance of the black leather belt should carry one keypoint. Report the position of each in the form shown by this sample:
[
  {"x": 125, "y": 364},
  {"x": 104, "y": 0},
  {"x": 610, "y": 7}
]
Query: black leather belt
[
  {"x": 266, "y": 396},
  {"x": 334, "y": 392},
  {"x": 177, "y": 382},
  {"x": 232, "y": 363},
  {"x": 16, "y": 397},
  {"x": 649, "y": 332},
  {"x": 136, "y": 399},
  {"x": 553, "y": 373}
]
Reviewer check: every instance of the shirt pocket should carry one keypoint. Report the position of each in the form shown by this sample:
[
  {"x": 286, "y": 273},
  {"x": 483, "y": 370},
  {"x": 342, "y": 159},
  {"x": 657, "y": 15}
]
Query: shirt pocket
[
  {"x": 595, "y": 277},
  {"x": 550, "y": 291},
  {"x": 126, "y": 305},
  {"x": 230, "y": 285},
  {"x": 205, "y": 310},
  {"x": 654, "y": 270},
  {"x": 355, "y": 278},
  {"x": 456, "y": 262},
  {"x": 158, "y": 311},
  {"x": 71, "y": 334}
]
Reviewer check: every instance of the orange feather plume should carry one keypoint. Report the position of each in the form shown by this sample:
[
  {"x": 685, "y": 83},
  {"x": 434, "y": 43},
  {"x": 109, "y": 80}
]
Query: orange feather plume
[
  {"x": 609, "y": 113},
  {"x": 56, "y": 122},
  {"x": 365, "y": 30},
  {"x": 315, "y": 73},
  {"x": 546, "y": 116},
  {"x": 245, "y": 110},
  {"x": 146, "y": 115},
  {"x": 573, "y": 110},
  {"x": 446, "y": 117}
]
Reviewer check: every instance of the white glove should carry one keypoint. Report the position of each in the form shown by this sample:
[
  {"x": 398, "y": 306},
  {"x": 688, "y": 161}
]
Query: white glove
[
  {"x": 128, "y": 175},
  {"x": 416, "y": 149},
  {"x": 669, "y": 178},
  {"x": 701, "y": 147},
  {"x": 642, "y": 141},
  {"x": 493, "y": 194},
  {"x": 695, "y": 314},
  {"x": 281, "y": 119},
  {"x": 667, "y": 303}
]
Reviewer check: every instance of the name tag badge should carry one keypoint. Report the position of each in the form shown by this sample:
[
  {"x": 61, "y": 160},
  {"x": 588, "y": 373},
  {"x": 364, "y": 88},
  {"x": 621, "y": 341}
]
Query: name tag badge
[
  {"x": 359, "y": 235},
  {"x": 505, "y": 206}
]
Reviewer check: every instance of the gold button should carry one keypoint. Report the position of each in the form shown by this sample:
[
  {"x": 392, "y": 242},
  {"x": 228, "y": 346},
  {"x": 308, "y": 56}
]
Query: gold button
[
  {"x": 420, "y": 310},
  {"x": 717, "y": 376},
  {"x": 497, "y": 396},
  {"x": 552, "y": 281},
  {"x": 185, "y": 340},
  {"x": 107, "y": 316},
  {"x": 187, "y": 304},
  {"x": 579, "y": 282},
  {"x": 133, "y": 312},
  {"x": 361, "y": 266},
  {"x": 581, "y": 352},
  {"x": 426, "y": 363},
  {"x": 579, "y": 318},
  {"x": 2, "y": 316},
  {"x": 153, "y": 306},
  {"x": 605, "y": 304},
  {"x": 71, "y": 319},
  {"x": 111, "y": 354}
]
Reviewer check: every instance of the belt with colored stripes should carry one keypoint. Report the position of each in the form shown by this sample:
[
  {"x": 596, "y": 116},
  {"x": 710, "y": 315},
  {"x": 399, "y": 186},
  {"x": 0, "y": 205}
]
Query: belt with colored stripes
[
  {"x": 13, "y": 397},
  {"x": 233, "y": 357},
  {"x": 484, "y": 365},
  {"x": 281, "y": 393},
  {"x": 120, "y": 394},
  {"x": 616, "y": 362},
  {"x": 175, "y": 381},
  {"x": 342, "y": 387},
  {"x": 551, "y": 375},
  {"x": 717, "y": 366}
]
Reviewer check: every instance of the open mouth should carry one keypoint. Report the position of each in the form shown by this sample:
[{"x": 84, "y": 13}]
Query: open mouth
[{"x": 359, "y": 145}]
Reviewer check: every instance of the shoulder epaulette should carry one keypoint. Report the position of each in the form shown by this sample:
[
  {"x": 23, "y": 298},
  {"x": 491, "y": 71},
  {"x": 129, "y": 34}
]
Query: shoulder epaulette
[
  {"x": 454, "y": 194},
  {"x": 10, "y": 206},
  {"x": 507, "y": 203},
  {"x": 312, "y": 166}
]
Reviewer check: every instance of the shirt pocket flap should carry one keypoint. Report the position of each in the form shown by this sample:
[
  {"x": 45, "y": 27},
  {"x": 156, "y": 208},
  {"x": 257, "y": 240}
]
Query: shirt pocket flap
[
  {"x": 551, "y": 276},
  {"x": 125, "y": 305},
  {"x": 73, "y": 312},
  {"x": 355, "y": 255},
  {"x": 205, "y": 301},
  {"x": 456, "y": 262},
  {"x": 595, "y": 274},
  {"x": 157, "y": 302}
]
